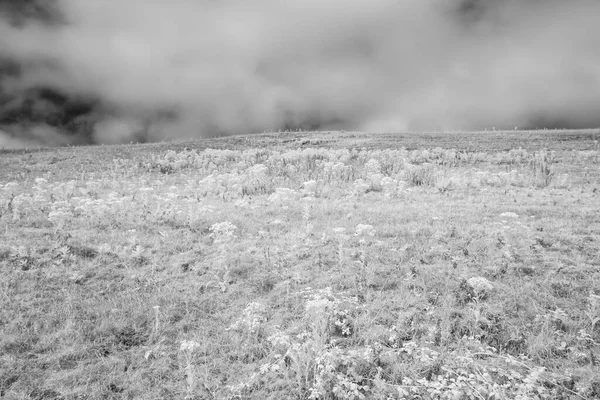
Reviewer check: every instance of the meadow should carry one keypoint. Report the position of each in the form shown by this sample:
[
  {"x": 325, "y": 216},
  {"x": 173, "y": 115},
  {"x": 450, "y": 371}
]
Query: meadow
[{"x": 298, "y": 265}]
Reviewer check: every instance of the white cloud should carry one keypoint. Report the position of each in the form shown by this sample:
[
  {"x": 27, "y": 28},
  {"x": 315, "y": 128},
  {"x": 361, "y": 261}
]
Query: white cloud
[{"x": 238, "y": 66}]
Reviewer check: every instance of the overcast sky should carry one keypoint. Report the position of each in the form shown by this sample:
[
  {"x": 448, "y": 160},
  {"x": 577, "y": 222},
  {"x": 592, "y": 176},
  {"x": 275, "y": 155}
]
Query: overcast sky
[{"x": 181, "y": 68}]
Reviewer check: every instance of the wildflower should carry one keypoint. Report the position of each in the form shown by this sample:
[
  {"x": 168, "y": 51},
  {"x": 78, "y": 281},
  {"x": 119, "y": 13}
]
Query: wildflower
[
  {"x": 480, "y": 286},
  {"x": 310, "y": 187},
  {"x": 364, "y": 230},
  {"x": 280, "y": 340},
  {"x": 221, "y": 231},
  {"x": 254, "y": 315},
  {"x": 189, "y": 346},
  {"x": 376, "y": 180},
  {"x": 373, "y": 167}
]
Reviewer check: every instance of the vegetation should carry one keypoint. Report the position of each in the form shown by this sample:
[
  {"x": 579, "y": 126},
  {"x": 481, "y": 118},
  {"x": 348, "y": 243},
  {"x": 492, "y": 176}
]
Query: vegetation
[{"x": 307, "y": 268}]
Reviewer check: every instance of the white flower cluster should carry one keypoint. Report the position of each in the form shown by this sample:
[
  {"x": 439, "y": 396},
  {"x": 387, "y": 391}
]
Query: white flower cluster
[
  {"x": 372, "y": 167},
  {"x": 364, "y": 230},
  {"x": 309, "y": 188},
  {"x": 221, "y": 184},
  {"x": 189, "y": 346},
  {"x": 60, "y": 213},
  {"x": 280, "y": 339},
  {"x": 480, "y": 285},
  {"x": 336, "y": 171},
  {"x": 222, "y": 231},
  {"x": 254, "y": 315}
]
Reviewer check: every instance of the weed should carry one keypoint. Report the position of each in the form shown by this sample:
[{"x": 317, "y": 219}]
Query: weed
[{"x": 541, "y": 172}]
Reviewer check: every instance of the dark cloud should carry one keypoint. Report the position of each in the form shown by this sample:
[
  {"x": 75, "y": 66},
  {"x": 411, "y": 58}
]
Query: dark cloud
[
  {"x": 110, "y": 71},
  {"x": 20, "y": 12}
]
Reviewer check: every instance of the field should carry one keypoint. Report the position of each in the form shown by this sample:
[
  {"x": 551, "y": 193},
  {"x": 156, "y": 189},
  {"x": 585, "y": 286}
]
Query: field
[{"x": 298, "y": 265}]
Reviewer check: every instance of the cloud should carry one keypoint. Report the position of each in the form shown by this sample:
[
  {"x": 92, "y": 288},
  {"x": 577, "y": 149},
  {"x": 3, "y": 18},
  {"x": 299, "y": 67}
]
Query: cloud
[
  {"x": 160, "y": 70},
  {"x": 32, "y": 136}
]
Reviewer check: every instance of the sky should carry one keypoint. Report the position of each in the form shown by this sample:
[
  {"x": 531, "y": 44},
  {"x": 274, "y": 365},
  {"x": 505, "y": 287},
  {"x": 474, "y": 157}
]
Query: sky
[{"x": 160, "y": 70}]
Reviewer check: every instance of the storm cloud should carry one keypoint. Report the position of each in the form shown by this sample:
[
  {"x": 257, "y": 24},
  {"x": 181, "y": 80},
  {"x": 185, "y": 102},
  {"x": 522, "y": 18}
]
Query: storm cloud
[{"x": 113, "y": 71}]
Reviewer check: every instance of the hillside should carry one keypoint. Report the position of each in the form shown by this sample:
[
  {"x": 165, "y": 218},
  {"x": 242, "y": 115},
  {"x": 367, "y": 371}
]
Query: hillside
[{"x": 303, "y": 265}]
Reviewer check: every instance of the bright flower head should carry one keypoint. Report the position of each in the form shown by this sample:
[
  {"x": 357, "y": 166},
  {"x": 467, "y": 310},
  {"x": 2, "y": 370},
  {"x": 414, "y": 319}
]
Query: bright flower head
[{"x": 364, "y": 230}]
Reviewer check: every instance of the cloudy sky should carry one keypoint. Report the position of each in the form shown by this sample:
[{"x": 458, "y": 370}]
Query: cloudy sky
[{"x": 157, "y": 69}]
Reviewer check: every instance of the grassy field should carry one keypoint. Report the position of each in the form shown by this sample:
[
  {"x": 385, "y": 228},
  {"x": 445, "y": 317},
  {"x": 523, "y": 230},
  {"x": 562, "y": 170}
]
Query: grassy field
[{"x": 323, "y": 265}]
